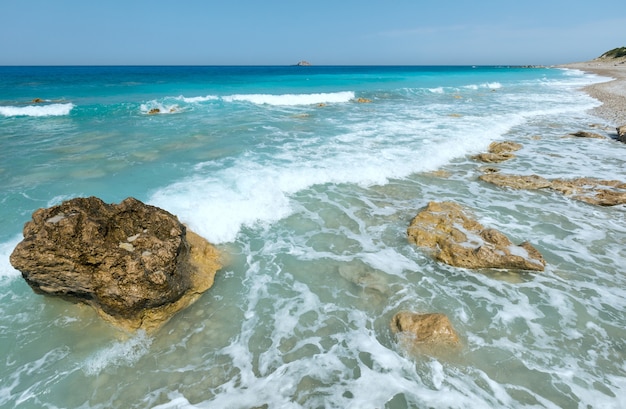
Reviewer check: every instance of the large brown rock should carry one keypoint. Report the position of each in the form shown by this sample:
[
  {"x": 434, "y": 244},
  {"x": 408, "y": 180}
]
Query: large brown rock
[
  {"x": 430, "y": 333},
  {"x": 135, "y": 264},
  {"x": 457, "y": 239}
]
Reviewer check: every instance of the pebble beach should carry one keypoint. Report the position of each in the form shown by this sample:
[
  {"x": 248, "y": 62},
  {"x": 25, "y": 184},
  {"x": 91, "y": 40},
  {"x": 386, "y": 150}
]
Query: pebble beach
[{"x": 612, "y": 94}]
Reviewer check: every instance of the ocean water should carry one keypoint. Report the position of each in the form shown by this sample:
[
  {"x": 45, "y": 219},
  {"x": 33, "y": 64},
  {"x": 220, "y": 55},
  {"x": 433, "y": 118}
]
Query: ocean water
[{"x": 308, "y": 194}]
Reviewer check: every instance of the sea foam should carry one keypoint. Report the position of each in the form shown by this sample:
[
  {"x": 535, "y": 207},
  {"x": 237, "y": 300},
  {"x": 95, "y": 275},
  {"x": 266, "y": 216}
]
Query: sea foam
[
  {"x": 6, "y": 269},
  {"x": 292, "y": 99},
  {"x": 37, "y": 110}
]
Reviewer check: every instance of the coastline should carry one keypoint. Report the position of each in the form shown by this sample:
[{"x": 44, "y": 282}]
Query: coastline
[{"x": 612, "y": 93}]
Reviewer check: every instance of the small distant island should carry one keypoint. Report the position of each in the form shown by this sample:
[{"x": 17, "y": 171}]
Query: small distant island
[{"x": 303, "y": 64}]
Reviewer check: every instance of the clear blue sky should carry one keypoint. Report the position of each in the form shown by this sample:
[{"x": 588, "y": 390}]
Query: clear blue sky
[{"x": 281, "y": 32}]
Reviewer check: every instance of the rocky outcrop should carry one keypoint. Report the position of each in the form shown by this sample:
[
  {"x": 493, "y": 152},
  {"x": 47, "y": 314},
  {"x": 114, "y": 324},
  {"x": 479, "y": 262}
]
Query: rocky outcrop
[
  {"x": 621, "y": 133},
  {"x": 589, "y": 190},
  {"x": 362, "y": 100},
  {"x": 424, "y": 332},
  {"x": 135, "y": 264},
  {"x": 498, "y": 152},
  {"x": 457, "y": 239}
]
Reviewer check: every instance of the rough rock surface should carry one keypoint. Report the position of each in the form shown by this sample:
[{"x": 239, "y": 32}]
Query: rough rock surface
[
  {"x": 498, "y": 152},
  {"x": 589, "y": 190},
  {"x": 417, "y": 330},
  {"x": 135, "y": 264},
  {"x": 516, "y": 181},
  {"x": 490, "y": 157},
  {"x": 458, "y": 240},
  {"x": 506, "y": 146},
  {"x": 621, "y": 133}
]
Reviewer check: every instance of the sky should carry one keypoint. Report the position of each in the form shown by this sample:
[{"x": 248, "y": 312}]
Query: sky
[{"x": 323, "y": 32}]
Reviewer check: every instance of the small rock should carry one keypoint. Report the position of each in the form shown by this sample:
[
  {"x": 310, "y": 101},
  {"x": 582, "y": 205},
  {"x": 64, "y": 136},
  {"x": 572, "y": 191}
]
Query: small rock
[
  {"x": 493, "y": 157},
  {"x": 585, "y": 134},
  {"x": 416, "y": 330},
  {"x": 505, "y": 146},
  {"x": 621, "y": 133}
]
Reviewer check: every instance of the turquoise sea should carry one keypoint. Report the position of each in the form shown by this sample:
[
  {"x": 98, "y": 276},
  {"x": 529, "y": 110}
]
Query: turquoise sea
[{"x": 308, "y": 193}]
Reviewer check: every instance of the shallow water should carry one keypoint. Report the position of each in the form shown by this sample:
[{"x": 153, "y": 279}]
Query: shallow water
[{"x": 309, "y": 194}]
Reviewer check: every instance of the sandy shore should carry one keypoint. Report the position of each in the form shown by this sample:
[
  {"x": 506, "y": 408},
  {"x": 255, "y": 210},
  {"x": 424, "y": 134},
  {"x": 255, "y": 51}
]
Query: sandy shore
[{"x": 612, "y": 93}]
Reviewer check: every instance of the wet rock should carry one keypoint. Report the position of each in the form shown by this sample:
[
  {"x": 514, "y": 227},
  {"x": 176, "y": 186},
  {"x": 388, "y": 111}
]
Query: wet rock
[
  {"x": 621, "y": 133},
  {"x": 506, "y": 146},
  {"x": 135, "y": 264},
  {"x": 154, "y": 111},
  {"x": 585, "y": 134},
  {"x": 593, "y": 191},
  {"x": 458, "y": 240},
  {"x": 516, "y": 181},
  {"x": 363, "y": 100},
  {"x": 489, "y": 157},
  {"x": 417, "y": 330},
  {"x": 499, "y": 152}
]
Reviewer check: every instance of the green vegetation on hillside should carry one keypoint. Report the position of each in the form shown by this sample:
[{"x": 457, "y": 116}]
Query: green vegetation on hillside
[{"x": 615, "y": 53}]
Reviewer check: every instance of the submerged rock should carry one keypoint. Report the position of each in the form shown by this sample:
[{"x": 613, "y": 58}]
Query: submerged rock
[
  {"x": 589, "y": 190},
  {"x": 516, "y": 181},
  {"x": 135, "y": 264},
  {"x": 458, "y": 240},
  {"x": 364, "y": 276},
  {"x": 424, "y": 332}
]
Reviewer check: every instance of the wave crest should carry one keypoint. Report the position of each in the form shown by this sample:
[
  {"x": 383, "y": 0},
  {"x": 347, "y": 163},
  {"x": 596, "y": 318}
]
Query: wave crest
[
  {"x": 292, "y": 99},
  {"x": 37, "y": 110}
]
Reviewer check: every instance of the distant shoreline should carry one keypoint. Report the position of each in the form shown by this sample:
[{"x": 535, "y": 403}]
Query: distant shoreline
[{"x": 612, "y": 94}]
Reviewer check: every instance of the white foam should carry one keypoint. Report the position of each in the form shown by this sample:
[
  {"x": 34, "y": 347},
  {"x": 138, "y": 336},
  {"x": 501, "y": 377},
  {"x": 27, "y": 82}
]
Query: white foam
[
  {"x": 123, "y": 353},
  {"x": 193, "y": 100},
  {"x": 6, "y": 269},
  {"x": 161, "y": 106},
  {"x": 292, "y": 99},
  {"x": 37, "y": 110}
]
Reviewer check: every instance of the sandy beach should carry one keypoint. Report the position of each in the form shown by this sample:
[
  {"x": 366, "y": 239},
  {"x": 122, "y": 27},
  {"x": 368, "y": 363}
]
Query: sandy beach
[{"x": 612, "y": 93}]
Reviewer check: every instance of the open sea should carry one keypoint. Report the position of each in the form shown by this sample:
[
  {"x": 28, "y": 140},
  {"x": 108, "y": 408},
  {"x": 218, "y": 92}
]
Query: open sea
[{"x": 308, "y": 194}]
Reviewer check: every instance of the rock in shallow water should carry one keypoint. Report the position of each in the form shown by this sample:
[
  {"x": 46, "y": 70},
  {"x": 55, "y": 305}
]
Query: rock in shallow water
[
  {"x": 458, "y": 240},
  {"x": 430, "y": 333},
  {"x": 135, "y": 264},
  {"x": 589, "y": 190}
]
